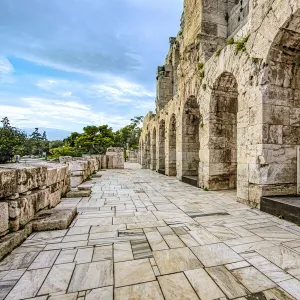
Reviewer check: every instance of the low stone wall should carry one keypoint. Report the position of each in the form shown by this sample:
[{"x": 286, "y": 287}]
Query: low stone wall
[
  {"x": 81, "y": 168},
  {"x": 132, "y": 156},
  {"x": 115, "y": 157},
  {"x": 27, "y": 189}
]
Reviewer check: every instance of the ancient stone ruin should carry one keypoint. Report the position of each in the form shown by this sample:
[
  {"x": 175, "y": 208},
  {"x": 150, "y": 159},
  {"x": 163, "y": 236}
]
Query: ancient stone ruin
[
  {"x": 39, "y": 195},
  {"x": 228, "y": 100}
]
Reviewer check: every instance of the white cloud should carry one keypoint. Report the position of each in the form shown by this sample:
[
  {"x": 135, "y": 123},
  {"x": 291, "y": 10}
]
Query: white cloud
[
  {"x": 57, "y": 114},
  {"x": 112, "y": 90},
  {"x": 6, "y": 70},
  {"x": 5, "y": 66}
]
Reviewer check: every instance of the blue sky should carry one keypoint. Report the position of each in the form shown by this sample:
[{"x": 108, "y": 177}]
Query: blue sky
[{"x": 65, "y": 64}]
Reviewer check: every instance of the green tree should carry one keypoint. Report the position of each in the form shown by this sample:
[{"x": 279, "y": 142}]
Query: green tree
[
  {"x": 12, "y": 141},
  {"x": 66, "y": 150},
  {"x": 71, "y": 139},
  {"x": 95, "y": 139},
  {"x": 56, "y": 144},
  {"x": 35, "y": 145},
  {"x": 129, "y": 134}
]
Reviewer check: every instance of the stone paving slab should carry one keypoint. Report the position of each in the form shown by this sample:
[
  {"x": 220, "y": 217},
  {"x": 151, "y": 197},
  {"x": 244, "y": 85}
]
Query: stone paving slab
[{"x": 143, "y": 235}]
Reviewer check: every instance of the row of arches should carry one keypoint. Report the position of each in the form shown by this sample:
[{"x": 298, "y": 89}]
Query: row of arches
[
  {"x": 168, "y": 149},
  {"x": 242, "y": 134}
]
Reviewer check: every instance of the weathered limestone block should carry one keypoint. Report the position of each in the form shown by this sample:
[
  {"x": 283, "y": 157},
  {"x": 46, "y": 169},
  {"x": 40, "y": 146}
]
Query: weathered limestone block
[
  {"x": 8, "y": 182},
  {"x": 77, "y": 173},
  {"x": 78, "y": 165},
  {"x": 30, "y": 178},
  {"x": 272, "y": 174},
  {"x": 110, "y": 162},
  {"x": 54, "y": 198},
  {"x": 3, "y": 218},
  {"x": 66, "y": 186},
  {"x": 52, "y": 176},
  {"x": 12, "y": 240},
  {"x": 23, "y": 209},
  {"x": 53, "y": 219},
  {"x": 115, "y": 158},
  {"x": 64, "y": 159},
  {"x": 104, "y": 160},
  {"x": 78, "y": 194},
  {"x": 85, "y": 186},
  {"x": 76, "y": 180}
]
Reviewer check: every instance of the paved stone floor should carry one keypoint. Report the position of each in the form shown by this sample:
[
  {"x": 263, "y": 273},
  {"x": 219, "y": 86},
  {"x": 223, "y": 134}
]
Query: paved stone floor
[{"x": 142, "y": 235}]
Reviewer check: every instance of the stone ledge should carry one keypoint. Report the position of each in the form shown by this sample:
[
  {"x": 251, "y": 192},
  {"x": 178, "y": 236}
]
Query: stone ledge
[
  {"x": 78, "y": 194},
  {"x": 53, "y": 219},
  {"x": 12, "y": 240}
]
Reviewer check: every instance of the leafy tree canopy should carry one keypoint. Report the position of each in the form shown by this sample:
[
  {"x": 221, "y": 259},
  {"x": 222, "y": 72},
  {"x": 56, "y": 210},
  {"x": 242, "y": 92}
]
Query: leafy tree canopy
[{"x": 93, "y": 140}]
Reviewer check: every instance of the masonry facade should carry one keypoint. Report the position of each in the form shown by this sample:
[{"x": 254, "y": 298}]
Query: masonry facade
[{"x": 228, "y": 99}]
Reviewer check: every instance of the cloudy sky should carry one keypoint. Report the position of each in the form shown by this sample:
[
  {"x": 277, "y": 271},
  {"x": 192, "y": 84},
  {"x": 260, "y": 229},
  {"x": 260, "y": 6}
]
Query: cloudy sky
[{"x": 65, "y": 64}]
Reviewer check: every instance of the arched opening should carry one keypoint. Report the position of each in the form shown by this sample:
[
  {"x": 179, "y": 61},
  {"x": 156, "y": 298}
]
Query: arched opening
[
  {"x": 153, "y": 150},
  {"x": 280, "y": 87},
  {"x": 190, "y": 141},
  {"x": 223, "y": 133},
  {"x": 161, "y": 150},
  {"x": 171, "y": 169}
]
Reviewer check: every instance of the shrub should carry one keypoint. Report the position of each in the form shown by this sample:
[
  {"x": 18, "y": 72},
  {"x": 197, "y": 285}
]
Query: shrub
[
  {"x": 230, "y": 41},
  {"x": 240, "y": 45}
]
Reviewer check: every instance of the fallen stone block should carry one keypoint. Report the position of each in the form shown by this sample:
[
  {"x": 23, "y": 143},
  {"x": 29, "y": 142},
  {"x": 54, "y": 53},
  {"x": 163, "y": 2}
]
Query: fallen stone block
[
  {"x": 13, "y": 240},
  {"x": 54, "y": 198},
  {"x": 85, "y": 187},
  {"x": 78, "y": 194},
  {"x": 23, "y": 209},
  {"x": 76, "y": 180},
  {"x": 53, "y": 219},
  {"x": 8, "y": 182}
]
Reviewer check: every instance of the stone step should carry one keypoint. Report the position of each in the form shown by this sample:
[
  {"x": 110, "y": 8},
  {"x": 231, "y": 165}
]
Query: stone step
[
  {"x": 75, "y": 193},
  {"x": 53, "y": 219},
  {"x": 85, "y": 186},
  {"x": 288, "y": 207},
  {"x": 192, "y": 180}
]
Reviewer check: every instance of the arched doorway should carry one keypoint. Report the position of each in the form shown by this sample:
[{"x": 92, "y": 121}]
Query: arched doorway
[
  {"x": 280, "y": 88},
  {"x": 223, "y": 133},
  {"x": 171, "y": 169},
  {"x": 153, "y": 150},
  {"x": 161, "y": 149},
  {"x": 190, "y": 141}
]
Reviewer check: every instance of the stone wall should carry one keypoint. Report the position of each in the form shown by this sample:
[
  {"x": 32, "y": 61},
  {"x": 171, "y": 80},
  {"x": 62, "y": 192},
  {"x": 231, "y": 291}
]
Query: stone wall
[
  {"x": 115, "y": 158},
  {"x": 81, "y": 168},
  {"x": 26, "y": 189},
  {"x": 233, "y": 121},
  {"x": 132, "y": 156},
  {"x": 84, "y": 167}
]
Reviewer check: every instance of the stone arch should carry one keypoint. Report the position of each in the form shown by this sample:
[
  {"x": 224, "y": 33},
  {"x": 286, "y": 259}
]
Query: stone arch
[
  {"x": 223, "y": 133},
  {"x": 190, "y": 140},
  {"x": 276, "y": 166},
  {"x": 161, "y": 147},
  {"x": 153, "y": 150},
  {"x": 171, "y": 168}
]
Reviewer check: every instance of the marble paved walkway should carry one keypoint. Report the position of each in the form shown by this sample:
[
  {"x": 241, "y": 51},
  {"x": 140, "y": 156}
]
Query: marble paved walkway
[{"x": 142, "y": 235}]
